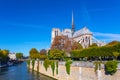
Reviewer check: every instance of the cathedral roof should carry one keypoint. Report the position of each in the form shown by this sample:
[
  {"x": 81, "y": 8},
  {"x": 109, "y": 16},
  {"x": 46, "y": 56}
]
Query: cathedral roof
[{"x": 82, "y": 31}]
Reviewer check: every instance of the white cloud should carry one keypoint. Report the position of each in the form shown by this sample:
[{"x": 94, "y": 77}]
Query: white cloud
[{"x": 107, "y": 36}]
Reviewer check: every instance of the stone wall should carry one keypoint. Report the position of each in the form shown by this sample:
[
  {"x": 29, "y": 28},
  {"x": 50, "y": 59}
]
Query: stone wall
[{"x": 76, "y": 73}]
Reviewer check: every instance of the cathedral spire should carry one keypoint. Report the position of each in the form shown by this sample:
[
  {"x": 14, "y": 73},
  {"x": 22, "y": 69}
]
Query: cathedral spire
[{"x": 73, "y": 26}]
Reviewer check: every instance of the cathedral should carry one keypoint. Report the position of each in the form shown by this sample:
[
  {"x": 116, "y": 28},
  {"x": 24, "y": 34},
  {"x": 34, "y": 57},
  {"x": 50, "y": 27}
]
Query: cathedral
[{"x": 84, "y": 36}]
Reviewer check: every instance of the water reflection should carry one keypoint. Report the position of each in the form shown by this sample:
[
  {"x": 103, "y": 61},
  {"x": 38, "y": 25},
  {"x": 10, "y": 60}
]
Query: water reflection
[{"x": 21, "y": 72}]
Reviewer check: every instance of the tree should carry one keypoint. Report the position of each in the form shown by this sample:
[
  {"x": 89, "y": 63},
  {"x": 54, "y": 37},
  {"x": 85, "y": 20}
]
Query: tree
[
  {"x": 62, "y": 43},
  {"x": 93, "y": 45},
  {"x": 111, "y": 67},
  {"x": 33, "y": 53},
  {"x": 76, "y": 46},
  {"x": 43, "y": 51},
  {"x": 4, "y": 56},
  {"x": 113, "y": 43},
  {"x": 5, "y": 53},
  {"x": 59, "y": 42},
  {"x": 19, "y": 55},
  {"x": 116, "y": 54},
  {"x": 56, "y": 54}
]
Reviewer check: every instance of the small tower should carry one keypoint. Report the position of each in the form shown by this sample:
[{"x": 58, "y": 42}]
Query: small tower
[
  {"x": 73, "y": 26},
  {"x": 55, "y": 32}
]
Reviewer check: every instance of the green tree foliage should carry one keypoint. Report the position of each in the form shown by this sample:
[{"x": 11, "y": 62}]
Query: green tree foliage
[
  {"x": 56, "y": 54},
  {"x": 4, "y": 53},
  {"x": 38, "y": 66},
  {"x": 51, "y": 63},
  {"x": 97, "y": 66},
  {"x": 19, "y": 55},
  {"x": 93, "y": 45},
  {"x": 116, "y": 54},
  {"x": 67, "y": 64},
  {"x": 111, "y": 67},
  {"x": 96, "y": 51},
  {"x": 28, "y": 62},
  {"x": 33, "y": 53},
  {"x": 4, "y": 56},
  {"x": 113, "y": 43},
  {"x": 33, "y": 63},
  {"x": 56, "y": 67},
  {"x": 43, "y": 54},
  {"x": 46, "y": 64},
  {"x": 52, "y": 66}
]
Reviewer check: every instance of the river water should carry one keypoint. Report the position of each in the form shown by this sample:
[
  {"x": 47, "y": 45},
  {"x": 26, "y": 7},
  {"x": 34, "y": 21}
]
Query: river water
[{"x": 20, "y": 72}]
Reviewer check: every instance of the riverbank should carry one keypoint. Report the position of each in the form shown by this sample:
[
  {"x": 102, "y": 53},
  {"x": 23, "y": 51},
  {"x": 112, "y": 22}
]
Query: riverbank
[
  {"x": 77, "y": 72},
  {"x": 11, "y": 63}
]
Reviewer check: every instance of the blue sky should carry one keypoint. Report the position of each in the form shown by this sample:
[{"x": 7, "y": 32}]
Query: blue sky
[{"x": 26, "y": 24}]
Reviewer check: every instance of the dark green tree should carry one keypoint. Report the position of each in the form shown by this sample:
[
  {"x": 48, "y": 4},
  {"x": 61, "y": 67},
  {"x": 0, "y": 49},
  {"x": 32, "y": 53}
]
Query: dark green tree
[
  {"x": 33, "y": 53},
  {"x": 93, "y": 45},
  {"x": 19, "y": 55},
  {"x": 111, "y": 67},
  {"x": 56, "y": 54}
]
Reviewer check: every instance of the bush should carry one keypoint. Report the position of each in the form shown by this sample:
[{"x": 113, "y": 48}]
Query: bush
[
  {"x": 111, "y": 67},
  {"x": 56, "y": 67},
  {"x": 96, "y": 51},
  {"x": 67, "y": 64},
  {"x": 46, "y": 63},
  {"x": 97, "y": 66},
  {"x": 33, "y": 62},
  {"x": 56, "y": 54},
  {"x": 51, "y": 63},
  {"x": 28, "y": 62},
  {"x": 53, "y": 66},
  {"x": 38, "y": 66}
]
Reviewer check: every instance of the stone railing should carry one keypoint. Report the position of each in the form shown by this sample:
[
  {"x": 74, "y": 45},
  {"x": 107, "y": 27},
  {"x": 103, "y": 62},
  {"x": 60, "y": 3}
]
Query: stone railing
[{"x": 78, "y": 71}]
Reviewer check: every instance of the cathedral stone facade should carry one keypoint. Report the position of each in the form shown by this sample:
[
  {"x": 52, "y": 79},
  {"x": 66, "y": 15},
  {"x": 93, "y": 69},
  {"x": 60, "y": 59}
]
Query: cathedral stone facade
[{"x": 84, "y": 36}]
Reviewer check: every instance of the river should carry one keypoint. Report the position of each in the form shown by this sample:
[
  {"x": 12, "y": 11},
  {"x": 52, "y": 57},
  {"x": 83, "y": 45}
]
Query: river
[{"x": 20, "y": 72}]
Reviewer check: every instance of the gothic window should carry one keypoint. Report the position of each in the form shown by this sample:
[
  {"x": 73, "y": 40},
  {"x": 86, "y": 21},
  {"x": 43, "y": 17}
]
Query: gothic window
[
  {"x": 89, "y": 41},
  {"x": 86, "y": 39},
  {"x": 55, "y": 33},
  {"x": 83, "y": 39}
]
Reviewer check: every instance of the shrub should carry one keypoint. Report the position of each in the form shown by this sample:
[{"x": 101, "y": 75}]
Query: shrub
[
  {"x": 53, "y": 66},
  {"x": 97, "y": 66},
  {"x": 46, "y": 64},
  {"x": 33, "y": 62},
  {"x": 28, "y": 62},
  {"x": 56, "y": 67},
  {"x": 67, "y": 64},
  {"x": 56, "y": 54},
  {"x": 111, "y": 67},
  {"x": 38, "y": 66},
  {"x": 96, "y": 51}
]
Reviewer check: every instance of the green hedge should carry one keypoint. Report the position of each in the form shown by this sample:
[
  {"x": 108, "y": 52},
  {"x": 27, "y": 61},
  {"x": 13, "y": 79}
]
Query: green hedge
[
  {"x": 97, "y": 65},
  {"x": 56, "y": 67},
  {"x": 67, "y": 64},
  {"x": 51, "y": 63},
  {"x": 33, "y": 62},
  {"x": 28, "y": 62},
  {"x": 46, "y": 64},
  {"x": 96, "y": 51},
  {"x": 111, "y": 67},
  {"x": 52, "y": 66}
]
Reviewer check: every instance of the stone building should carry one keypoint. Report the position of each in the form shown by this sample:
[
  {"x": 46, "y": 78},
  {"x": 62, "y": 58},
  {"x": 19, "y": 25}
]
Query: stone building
[{"x": 84, "y": 36}]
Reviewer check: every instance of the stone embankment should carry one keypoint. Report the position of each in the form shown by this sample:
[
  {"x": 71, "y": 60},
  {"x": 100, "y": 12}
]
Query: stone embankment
[{"x": 77, "y": 72}]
